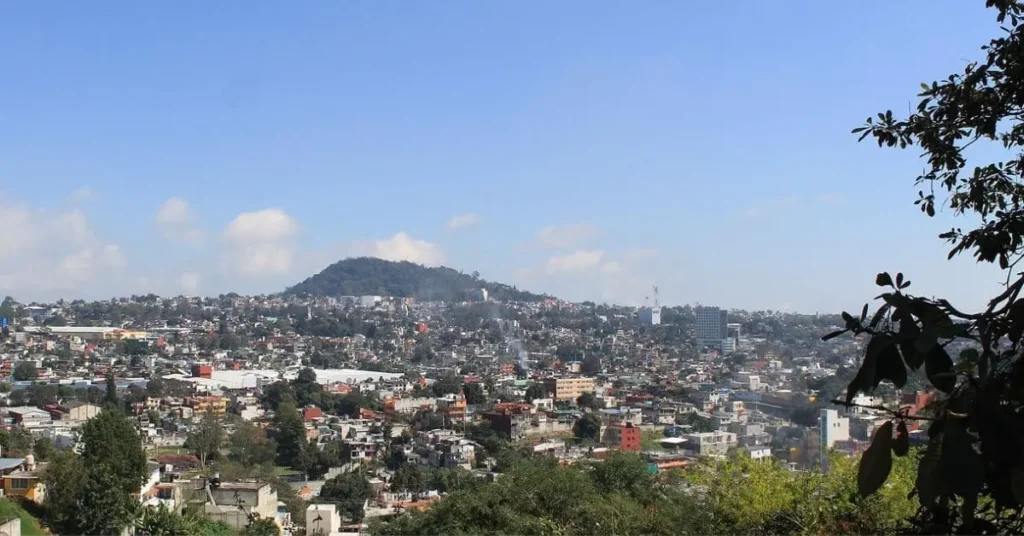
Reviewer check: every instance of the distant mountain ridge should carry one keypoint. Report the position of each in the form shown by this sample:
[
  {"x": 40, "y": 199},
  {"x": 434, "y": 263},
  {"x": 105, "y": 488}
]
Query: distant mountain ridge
[{"x": 363, "y": 276}]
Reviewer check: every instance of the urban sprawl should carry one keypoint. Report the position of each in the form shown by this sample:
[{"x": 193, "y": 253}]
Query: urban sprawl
[{"x": 397, "y": 389}]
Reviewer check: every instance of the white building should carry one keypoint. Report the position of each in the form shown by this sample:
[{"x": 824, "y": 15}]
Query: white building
[
  {"x": 759, "y": 452},
  {"x": 322, "y": 520},
  {"x": 832, "y": 429}
]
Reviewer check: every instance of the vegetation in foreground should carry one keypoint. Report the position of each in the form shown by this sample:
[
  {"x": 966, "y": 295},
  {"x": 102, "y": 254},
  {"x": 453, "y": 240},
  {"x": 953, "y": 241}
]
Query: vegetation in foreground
[{"x": 622, "y": 496}]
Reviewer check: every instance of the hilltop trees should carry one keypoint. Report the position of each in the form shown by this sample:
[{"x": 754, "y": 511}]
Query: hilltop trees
[{"x": 975, "y": 453}]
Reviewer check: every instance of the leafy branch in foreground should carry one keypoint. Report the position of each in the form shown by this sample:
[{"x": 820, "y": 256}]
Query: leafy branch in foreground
[{"x": 975, "y": 451}]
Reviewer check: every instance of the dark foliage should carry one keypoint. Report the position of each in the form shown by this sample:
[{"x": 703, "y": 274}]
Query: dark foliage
[{"x": 975, "y": 452}]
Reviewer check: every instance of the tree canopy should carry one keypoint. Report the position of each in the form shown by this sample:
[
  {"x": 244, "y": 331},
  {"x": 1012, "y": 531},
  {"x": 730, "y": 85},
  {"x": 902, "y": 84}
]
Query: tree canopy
[
  {"x": 972, "y": 471},
  {"x": 371, "y": 276},
  {"x": 94, "y": 493}
]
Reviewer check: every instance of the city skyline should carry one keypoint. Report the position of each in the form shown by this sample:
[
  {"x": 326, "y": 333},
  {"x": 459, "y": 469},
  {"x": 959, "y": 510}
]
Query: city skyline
[{"x": 240, "y": 149}]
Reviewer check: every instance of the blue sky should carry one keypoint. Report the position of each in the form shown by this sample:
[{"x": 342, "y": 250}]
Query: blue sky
[{"x": 586, "y": 149}]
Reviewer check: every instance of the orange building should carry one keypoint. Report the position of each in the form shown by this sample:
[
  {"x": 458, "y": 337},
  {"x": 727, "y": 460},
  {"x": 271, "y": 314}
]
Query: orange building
[{"x": 624, "y": 436}]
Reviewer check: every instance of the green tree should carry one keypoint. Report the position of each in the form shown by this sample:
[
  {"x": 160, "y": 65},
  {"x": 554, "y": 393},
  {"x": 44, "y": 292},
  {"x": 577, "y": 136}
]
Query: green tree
[
  {"x": 16, "y": 442},
  {"x": 587, "y": 427},
  {"x": 408, "y": 477},
  {"x": 156, "y": 387},
  {"x": 260, "y": 526},
  {"x": 539, "y": 497},
  {"x": 161, "y": 521},
  {"x": 474, "y": 393},
  {"x": 535, "y": 391},
  {"x": 291, "y": 434},
  {"x": 111, "y": 397},
  {"x": 134, "y": 347},
  {"x": 350, "y": 492},
  {"x": 589, "y": 401},
  {"x": 206, "y": 437},
  {"x": 697, "y": 421},
  {"x": 249, "y": 445},
  {"x": 25, "y": 371},
  {"x": 43, "y": 449},
  {"x": 447, "y": 385},
  {"x": 591, "y": 365},
  {"x": 95, "y": 493},
  {"x": 973, "y": 454}
]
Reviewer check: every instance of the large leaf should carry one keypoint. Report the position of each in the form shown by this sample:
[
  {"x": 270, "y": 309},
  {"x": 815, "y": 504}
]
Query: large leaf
[
  {"x": 890, "y": 366},
  {"x": 864, "y": 380},
  {"x": 834, "y": 334},
  {"x": 930, "y": 485},
  {"x": 938, "y": 366},
  {"x": 1017, "y": 480},
  {"x": 907, "y": 337},
  {"x": 1016, "y": 317},
  {"x": 876, "y": 462},
  {"x": 901, "y": 445},
  {"x": 961, "y": 465}
]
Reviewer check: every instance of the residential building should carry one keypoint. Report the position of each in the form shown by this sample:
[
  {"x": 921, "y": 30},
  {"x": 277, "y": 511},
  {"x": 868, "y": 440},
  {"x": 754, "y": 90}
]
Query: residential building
[
  {"x": 234, "y": 502},
  {"x": 759, "y": 452},
  {"x": 624, "y": 436},
  {"x": 568, "y": 389},
  {"x": 715, "y": 443},
  {"x": 25, "y": 480},
  {"x": 323, "y": 520},
  {"x": 832, "y": 429}
]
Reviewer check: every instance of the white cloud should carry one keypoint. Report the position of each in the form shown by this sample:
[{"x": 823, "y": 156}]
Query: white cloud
[
  {"x": 175, "y": 218},
  {"x": 577, "y": 261},
  {"x": 50, "y": 254},
  {"x": 174, "y": 211},
  {"x": 260, "y": 260},
  {"x": 261, "y": 226},
  {"x": 463, "y": 220},
  {"x": 189, "y": 283},
  {"x": 260, "y": 243},
  {"x": 611, "y": 268},
  {"x": 111, "y": 256},
  {"x": 566, "y": 236},
  {"x": 402, "y": 247}
]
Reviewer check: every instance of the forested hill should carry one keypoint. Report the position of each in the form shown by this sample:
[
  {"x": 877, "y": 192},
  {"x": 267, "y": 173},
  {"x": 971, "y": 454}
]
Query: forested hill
[{"x": 366, "y": 276}]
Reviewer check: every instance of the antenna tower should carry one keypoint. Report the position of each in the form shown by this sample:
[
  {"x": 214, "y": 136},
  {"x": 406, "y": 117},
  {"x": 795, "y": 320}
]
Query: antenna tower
[{"x": 656, "y": 304}]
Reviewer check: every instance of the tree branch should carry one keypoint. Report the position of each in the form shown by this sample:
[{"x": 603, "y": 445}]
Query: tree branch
[{"x": 895, "y": 413}]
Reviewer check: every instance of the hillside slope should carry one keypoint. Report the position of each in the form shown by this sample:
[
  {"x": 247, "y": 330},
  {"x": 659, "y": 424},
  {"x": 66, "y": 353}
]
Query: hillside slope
[{"x": 371, "y": 276}]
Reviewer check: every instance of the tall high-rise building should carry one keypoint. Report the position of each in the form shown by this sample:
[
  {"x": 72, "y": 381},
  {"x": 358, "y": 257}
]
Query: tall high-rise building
[{"x": 711, "y": 327}]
